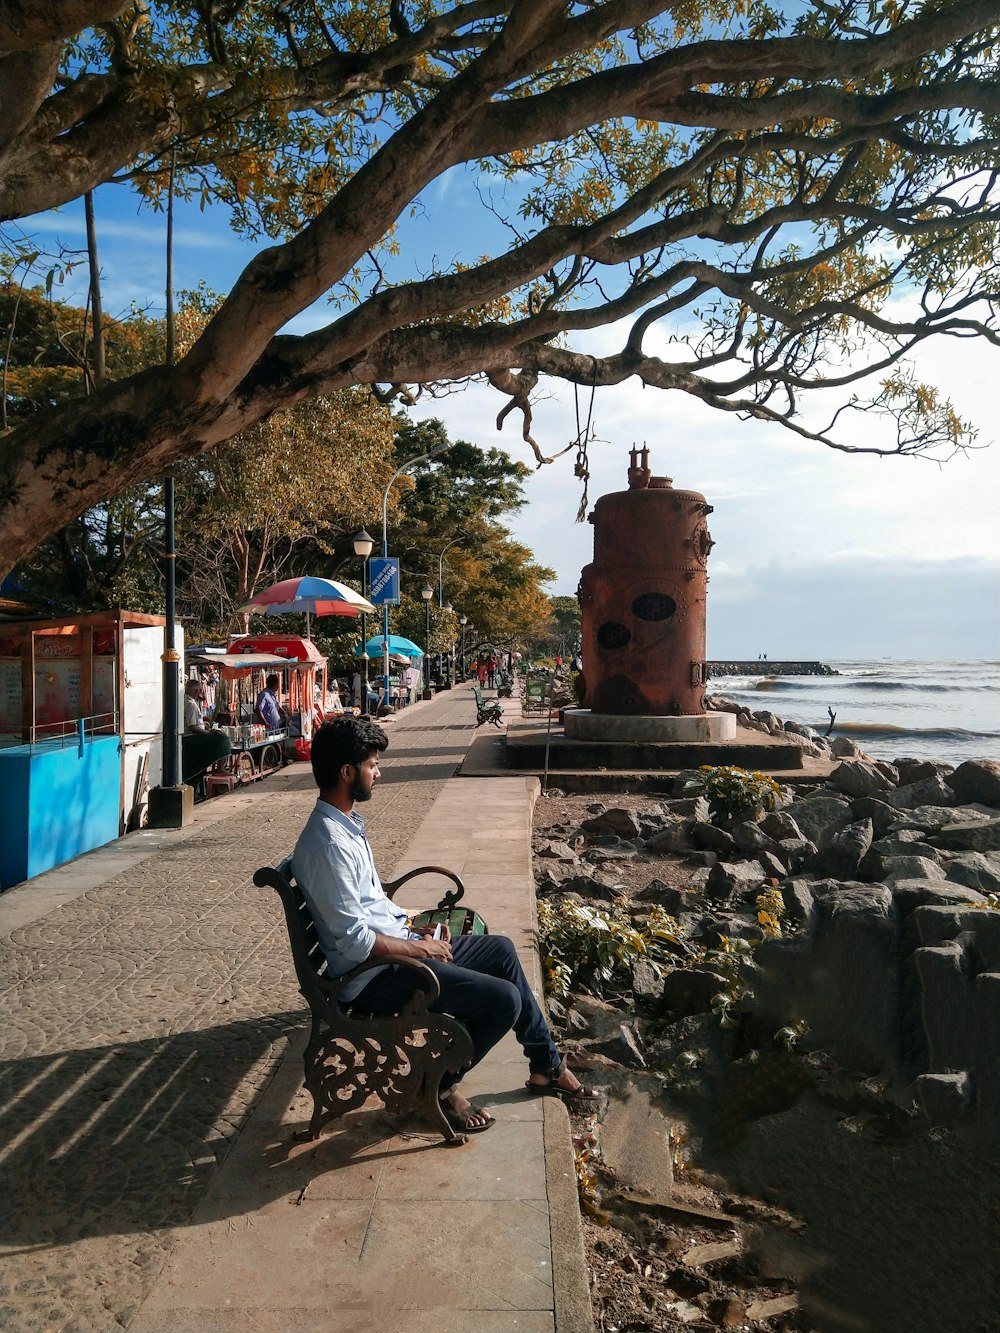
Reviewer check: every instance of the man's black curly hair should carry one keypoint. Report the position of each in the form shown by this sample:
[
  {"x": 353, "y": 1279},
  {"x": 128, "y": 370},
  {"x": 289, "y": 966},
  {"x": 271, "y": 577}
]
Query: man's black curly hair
[{"x": 348, "y": 740}]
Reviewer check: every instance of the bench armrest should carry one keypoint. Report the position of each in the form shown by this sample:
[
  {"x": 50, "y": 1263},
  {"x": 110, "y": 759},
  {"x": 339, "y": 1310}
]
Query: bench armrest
[
  {"x": 332, "y": 986},
  {"x": 451, "y": 899}
]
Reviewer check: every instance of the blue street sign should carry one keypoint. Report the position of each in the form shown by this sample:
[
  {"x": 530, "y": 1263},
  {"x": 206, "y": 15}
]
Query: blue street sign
[{"x": 384, "y": 582}]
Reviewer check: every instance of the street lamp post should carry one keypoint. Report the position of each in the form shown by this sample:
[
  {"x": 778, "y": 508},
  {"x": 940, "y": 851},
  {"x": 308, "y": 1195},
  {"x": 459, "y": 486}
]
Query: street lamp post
[
  {"x": 449, "y": 672},
  {"x": 427, "y": 592},
  {"x": 463, "y": 621},
  {"x": 438, "y": 449},
  {"x": 452, "y": 543},
  {"x": 363, "y": 543}
]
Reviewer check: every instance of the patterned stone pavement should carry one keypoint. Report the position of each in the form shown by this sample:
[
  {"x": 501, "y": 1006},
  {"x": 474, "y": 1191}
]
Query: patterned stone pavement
[{"x": 141, "y": 1022}]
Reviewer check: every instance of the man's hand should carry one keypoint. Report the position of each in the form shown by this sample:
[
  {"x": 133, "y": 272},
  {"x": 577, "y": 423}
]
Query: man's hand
[
  {"x": 428, "y": 948},
  {"x": 428, "y": 931}
]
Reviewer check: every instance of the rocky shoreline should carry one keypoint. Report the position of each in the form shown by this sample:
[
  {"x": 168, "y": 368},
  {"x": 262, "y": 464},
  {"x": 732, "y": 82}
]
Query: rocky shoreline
[{"x": 841, "y": 1041}]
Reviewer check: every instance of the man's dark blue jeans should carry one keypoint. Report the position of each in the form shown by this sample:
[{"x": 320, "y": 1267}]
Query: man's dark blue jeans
[{"x": 485, "y": 988}]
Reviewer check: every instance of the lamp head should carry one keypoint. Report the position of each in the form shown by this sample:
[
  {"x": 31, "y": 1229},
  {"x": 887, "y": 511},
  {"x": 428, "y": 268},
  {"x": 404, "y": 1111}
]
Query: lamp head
[
  {"x": 463, "y": 620},
  {"x": 427, "y": 592},
  {"x": 363, "y": 543}
]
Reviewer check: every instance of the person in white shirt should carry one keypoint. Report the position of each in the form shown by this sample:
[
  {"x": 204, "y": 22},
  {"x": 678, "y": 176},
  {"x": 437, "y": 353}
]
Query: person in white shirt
[
  {"x": 201, "y": 745},
  {"x": 482, "y": 982}
]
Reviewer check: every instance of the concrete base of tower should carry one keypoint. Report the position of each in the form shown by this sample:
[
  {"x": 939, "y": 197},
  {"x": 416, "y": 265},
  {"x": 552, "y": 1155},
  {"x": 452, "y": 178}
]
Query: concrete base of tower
[{"x": 584, "y": 725}]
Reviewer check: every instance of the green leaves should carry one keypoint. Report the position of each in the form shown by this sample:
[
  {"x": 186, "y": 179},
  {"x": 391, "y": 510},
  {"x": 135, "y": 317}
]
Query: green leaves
[
  {"x": 587, "y": 947},
  {"x": 732, "y": 792}
]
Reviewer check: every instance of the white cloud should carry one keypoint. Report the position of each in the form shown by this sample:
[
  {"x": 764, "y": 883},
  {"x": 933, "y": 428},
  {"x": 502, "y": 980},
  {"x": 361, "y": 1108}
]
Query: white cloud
[{"x": 818, "y": 553}]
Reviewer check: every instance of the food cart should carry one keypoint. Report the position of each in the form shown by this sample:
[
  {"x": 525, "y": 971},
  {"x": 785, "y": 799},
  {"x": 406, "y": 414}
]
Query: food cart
[{"x": 243, "y": 670}]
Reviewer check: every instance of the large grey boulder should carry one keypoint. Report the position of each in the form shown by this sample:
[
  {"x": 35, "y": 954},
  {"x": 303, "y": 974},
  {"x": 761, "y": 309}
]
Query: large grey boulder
[
  {"x": 909, "y": 894},
  {"x": 690, "y": 990},
  {"x": 800, "y": 907},
  {"x": 647, "y": 980},
  {"x": 843, "y": 852},
  {"x": 734, "y": 877},
  {"x": 793, "y": 853},
  {"x": 978, "y": 932},
  {"x": 931, "y": 791},
  {"x": 819, "y": 817},
  {"x": 844, "y": 748},
  {"x": 751, "y": 838},
  {"x": 780, "y": 824},
  {"x": 883, "y": 816},
  {"x": 976, "y": 780},
  {"x": 912, "y": 867},
  {"x": 976, "y": 870},
  {"x": 928, "y": 817},
  {"x": 841, "y": 976},
  {"x": 674, "y": 838},
  {"x": 709, "y": 835},
  {"x": 672, "y": 899},
  {"x": 696, "y": 806},
  {"x": 590, "y": 885},
  {"x": 859, "y": 777},
  {"x": 979, "y": 837},
  {"x": 616, "y": 820},
  {"x": 915, "y": 770},
  {"x": 554, "y": 850}
]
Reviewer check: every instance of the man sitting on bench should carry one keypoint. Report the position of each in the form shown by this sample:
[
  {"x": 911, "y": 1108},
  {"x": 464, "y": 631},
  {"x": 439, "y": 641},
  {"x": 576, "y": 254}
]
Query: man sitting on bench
[{"x": 482, "y": 982}]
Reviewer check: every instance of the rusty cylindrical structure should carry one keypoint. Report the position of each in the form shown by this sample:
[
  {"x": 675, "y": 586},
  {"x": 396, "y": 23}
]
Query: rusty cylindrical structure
[{"x": 642, "y": 599}]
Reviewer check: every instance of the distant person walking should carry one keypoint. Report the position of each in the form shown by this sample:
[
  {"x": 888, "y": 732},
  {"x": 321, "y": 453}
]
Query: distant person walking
[{"x": 481, "y": 672}]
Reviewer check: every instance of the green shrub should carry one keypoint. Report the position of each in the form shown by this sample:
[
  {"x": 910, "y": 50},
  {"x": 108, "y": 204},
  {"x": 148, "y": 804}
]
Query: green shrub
[
  {"x": 733, "y": 793},
  {"x": 585, "y": 947}
]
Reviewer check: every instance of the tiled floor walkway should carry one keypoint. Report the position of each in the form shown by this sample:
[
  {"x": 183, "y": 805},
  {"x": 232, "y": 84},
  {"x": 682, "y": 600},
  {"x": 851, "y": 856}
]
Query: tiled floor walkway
[{"x": 145, "y": 1014}]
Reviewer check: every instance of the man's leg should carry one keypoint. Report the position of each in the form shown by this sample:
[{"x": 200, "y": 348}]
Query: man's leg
[
  {"x": 496, "y": 956},
  {"x": 486, "y": 1003}
]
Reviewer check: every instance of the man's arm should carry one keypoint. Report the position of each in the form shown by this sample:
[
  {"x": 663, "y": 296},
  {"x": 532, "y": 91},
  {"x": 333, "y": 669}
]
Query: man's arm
[{"x": 387, "y": 946}]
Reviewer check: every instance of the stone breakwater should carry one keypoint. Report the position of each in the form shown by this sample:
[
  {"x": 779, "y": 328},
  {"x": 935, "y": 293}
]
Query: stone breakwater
[{"x": 763, "y": 668}]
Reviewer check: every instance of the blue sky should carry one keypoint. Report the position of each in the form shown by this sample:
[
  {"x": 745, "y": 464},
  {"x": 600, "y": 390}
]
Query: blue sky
[{"x": 818, "y": 554}]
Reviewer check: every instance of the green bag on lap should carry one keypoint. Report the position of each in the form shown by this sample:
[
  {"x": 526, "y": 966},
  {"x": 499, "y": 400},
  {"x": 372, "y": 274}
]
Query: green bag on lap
[{"x": 459, "y": 920}]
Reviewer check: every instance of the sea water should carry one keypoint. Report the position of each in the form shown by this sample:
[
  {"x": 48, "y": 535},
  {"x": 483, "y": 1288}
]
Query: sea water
[{"x": 928, "y": 710}]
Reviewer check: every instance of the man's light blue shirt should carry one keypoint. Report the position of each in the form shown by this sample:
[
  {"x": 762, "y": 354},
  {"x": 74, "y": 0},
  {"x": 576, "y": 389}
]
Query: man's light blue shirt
[
  {"x": 334, "y": 867},
  {"x": 269, "y": 709}
]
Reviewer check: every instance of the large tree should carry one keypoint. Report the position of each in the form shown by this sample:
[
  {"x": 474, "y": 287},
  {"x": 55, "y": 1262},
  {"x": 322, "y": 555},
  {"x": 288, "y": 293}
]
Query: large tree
[{"x": 793, "y": 194}]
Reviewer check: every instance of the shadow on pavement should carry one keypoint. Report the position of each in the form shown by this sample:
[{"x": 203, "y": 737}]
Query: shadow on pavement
[{"x": 125, "y": 1138}]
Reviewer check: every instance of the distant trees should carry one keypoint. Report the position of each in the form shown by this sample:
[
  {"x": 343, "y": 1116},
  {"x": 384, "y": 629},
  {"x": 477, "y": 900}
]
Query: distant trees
[
  {"x": 284, "y": 497},
  {"x": 761, "y": 201}
]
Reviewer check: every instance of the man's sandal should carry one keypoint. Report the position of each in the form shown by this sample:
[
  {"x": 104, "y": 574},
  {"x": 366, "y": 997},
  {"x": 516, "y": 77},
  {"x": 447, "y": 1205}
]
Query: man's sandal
[
  {"x": 582, "y": 1096},
  {"x": 463, "y": 1121}
]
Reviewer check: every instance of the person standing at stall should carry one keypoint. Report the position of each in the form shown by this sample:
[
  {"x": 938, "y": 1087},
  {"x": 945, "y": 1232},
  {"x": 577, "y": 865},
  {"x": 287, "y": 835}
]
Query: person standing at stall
[{"x": 268, "y": 707}]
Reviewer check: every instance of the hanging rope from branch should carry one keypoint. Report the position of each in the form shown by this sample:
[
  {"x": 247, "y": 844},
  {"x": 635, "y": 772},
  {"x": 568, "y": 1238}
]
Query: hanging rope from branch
[{"x": 584, "y": 436}]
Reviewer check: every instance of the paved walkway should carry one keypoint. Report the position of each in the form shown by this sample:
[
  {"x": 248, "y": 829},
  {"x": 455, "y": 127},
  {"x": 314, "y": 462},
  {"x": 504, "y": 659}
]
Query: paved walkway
[{"x": 151, "y": 1079}]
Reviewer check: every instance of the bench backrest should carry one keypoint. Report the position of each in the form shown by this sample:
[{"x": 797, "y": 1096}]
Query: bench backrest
[{"x": 303, "y": 937}]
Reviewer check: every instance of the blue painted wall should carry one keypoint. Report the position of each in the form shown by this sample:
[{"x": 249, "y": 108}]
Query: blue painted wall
[{"x": 57, "y": 802}]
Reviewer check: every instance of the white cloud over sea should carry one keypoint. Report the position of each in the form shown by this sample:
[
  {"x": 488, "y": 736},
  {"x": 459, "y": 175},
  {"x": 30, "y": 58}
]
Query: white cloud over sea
[{"x": 819, "y": 554}]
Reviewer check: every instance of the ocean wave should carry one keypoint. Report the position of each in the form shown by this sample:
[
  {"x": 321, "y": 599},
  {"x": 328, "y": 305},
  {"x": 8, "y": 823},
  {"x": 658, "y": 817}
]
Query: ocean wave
[
  {"x": 891, "y": 729},
  {"x": 831, "y": 685}
]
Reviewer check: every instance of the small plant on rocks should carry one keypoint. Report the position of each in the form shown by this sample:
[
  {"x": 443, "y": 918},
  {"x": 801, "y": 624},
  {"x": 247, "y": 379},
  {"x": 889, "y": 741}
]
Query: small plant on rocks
[
  {"x": 585, "y": 947},
  {"x": 734, "y": 960},
  {"x": 770, "y": 912},
  {"x": 733, "y": 793}
]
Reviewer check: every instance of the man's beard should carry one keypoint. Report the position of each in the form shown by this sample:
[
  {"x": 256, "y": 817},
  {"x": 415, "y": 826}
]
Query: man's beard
[{"x": 359, "y": 792}]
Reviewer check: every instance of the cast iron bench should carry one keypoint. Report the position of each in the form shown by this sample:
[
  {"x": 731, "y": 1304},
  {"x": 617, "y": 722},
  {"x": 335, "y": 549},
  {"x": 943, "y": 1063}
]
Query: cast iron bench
[
  {"x": 487, "y": 710},
  {"x": 351, "y": 1054}
]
